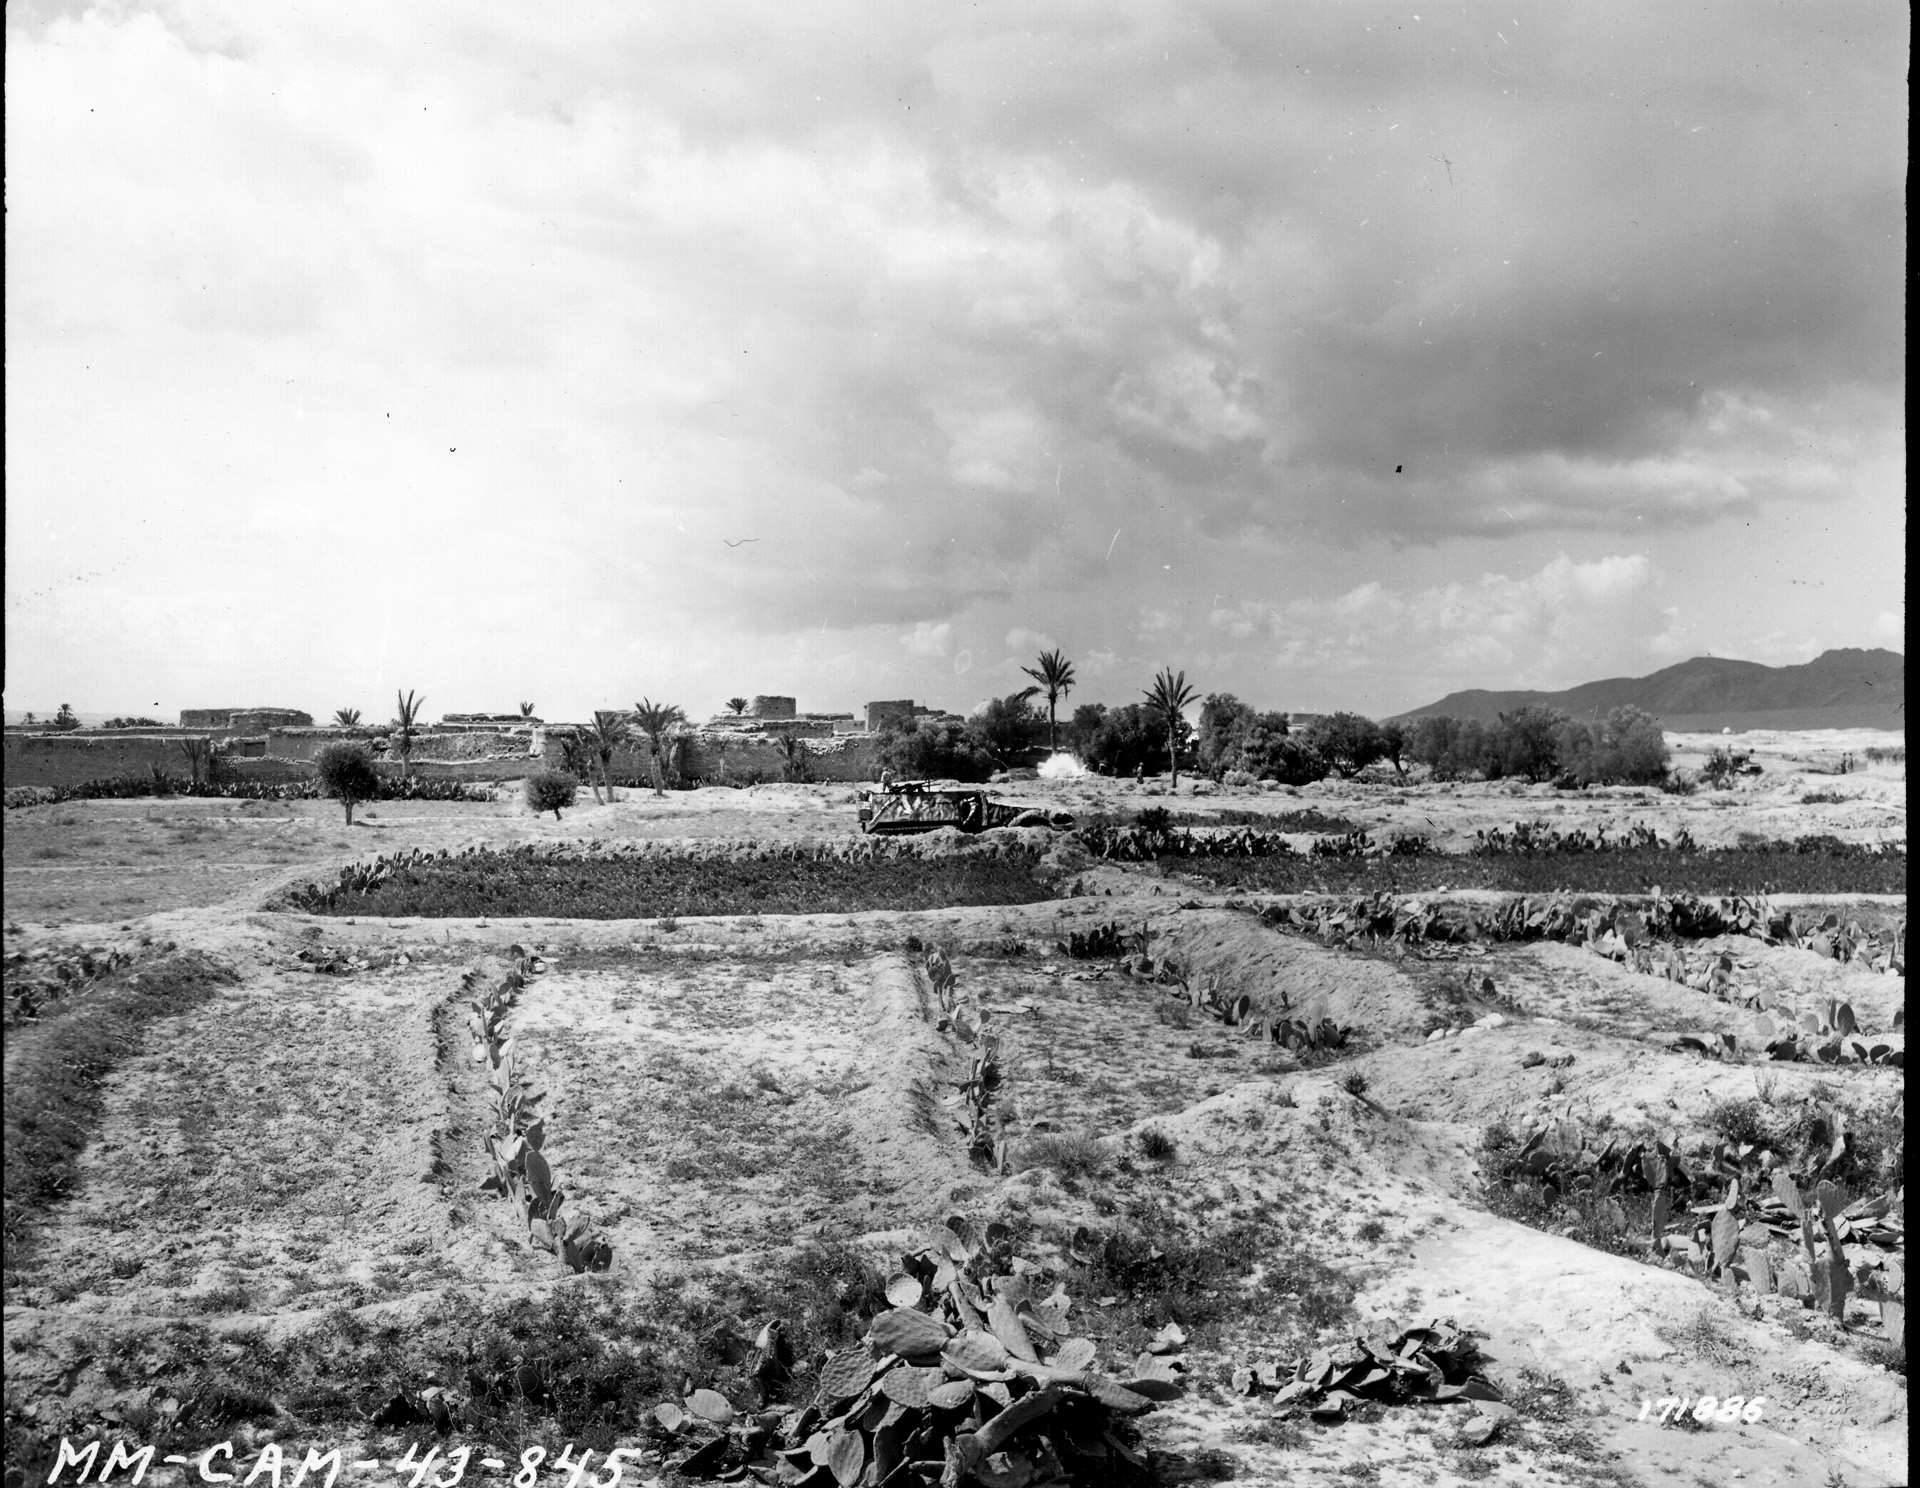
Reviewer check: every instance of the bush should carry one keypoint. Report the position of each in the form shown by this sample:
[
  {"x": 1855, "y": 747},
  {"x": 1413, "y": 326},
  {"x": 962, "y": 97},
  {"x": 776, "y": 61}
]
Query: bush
[
  {"x": 346, "y": 773},
  {"x": 550, "y": 790}
]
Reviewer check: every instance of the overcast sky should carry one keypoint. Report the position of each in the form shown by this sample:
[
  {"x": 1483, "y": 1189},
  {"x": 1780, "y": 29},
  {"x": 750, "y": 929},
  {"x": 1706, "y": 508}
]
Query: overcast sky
[{"x": 1340, "y": 355}]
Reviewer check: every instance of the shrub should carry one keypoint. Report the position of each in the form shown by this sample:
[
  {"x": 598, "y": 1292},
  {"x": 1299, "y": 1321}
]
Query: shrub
[
  {"x": 346, "y": 773},
  {"x": 550, "y": 790}
]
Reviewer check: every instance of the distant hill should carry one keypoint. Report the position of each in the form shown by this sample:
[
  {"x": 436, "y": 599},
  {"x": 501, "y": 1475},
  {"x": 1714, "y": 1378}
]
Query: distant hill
[{"x": 1847, "y": 688}]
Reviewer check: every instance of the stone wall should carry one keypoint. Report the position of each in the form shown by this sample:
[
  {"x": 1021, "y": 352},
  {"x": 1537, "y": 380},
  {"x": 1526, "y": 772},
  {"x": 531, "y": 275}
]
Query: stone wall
[
  {"x": 74, "y": 758},
  {"x": 766, "y": 706},
  {"x": 714, "y": 757},
  {"x": 882, "y": 714}
]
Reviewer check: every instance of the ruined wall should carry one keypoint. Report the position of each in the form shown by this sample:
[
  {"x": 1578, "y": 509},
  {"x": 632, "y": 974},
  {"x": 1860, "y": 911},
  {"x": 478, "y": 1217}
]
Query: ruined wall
[
  {"x": 767, "y": 706},
  {"x": 243, "y": 720},
  {"x": 458, "y": 744},
  {"x": 745, "y": 759},
  {"x": 306, "y": 743},
  {"x": 895, "y": 713}
]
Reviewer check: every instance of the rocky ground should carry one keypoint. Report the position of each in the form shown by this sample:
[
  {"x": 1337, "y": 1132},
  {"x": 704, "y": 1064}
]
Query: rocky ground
[{"x": 304, "y": 1144}]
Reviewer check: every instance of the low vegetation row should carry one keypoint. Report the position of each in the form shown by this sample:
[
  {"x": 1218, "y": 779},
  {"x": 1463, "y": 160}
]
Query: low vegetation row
[
  {"x": 654, "y": 881},
  {"x": 1639, "y": 930},
  {"x": 1813, "y": 866},
  {"x": 56, "y": 1064},
  {"x": 135, "y": 787}
]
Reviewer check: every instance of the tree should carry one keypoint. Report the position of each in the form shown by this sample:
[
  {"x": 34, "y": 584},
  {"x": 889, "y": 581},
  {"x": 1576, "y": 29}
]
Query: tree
[
  {"x": 576, "y": 760},
  {"x": 347, "y": 774},
  {"x": 1168, "y": 700},
  {"x": 1006, "y": 727},
  {"x": 654, "y": 720},
  {"x": 549, "y": 790},
  {"x": 1346, "y": 741},
  {"x": 347, "y": 717},
  {"x": 1393, "y": 745},
  {"x": 1636, "y": 747},
  {"x": 31, "y": 720},
  {"x": 1527, "y": 742},
  {"x": 1055, "y": 676},
  {"x": 65, "y": 718},
  {"x": 526, "y": 711},
  {"x": 920, "y": 750},
  {"x": 608, "y": 733},
  {"x": 1220, "y": 741},
  {"x": 405, "y": 726},
  {"x": 738, "y": 705}
]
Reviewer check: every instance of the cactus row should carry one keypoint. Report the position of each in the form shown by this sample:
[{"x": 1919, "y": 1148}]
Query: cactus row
[
  {"x": 1628, "y": 930},
  {"x": 514, "y": 1147},
  {"x": 1865, "y": 1241},
  {"x": 975, "y": 1092}
]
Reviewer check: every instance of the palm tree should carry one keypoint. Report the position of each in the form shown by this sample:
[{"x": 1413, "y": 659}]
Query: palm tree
[
  {"x": 1056, "y": 679},
  {"x": 1169, "y": 697},
  {"x": 608, "y": 733},
  {"x": 739, "y": 706},
  {"x": 654, "y": 719},
  {"x": 404, "y": 727},
  {"x": 575, "y": 760},
  {"x": 526, "y": 710},
  {"x": 346, "y": 717}
]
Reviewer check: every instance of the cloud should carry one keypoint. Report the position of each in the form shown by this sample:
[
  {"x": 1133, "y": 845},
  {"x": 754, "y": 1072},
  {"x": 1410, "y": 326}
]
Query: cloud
[
  {"x": 929, "y": 639},
  {"x": 582, "y": 299},
  {"x": 1545, "y": 629}
]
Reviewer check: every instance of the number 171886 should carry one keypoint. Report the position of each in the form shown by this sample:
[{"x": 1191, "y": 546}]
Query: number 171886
[{"x": 1706, "y": 1410}]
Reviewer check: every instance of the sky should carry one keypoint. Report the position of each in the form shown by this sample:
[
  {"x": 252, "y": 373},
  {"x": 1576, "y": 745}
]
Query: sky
[{"x": 1336, "y": 355}]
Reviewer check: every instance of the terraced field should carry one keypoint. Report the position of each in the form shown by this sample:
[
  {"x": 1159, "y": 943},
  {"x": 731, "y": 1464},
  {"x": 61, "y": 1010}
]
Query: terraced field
[{"x": 246, "y": 1149}]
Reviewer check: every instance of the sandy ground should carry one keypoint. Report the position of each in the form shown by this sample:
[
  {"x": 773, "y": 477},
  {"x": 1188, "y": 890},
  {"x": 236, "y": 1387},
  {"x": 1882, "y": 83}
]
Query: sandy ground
[{"x": 725, "y": 1088}]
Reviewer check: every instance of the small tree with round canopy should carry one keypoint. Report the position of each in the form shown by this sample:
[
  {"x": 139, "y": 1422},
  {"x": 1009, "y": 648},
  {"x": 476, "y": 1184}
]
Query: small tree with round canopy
[{"x": 346, "y": 773}]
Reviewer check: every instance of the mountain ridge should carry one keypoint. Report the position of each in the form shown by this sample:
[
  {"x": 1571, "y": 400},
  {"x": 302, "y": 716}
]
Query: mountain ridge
[{"x": 1866, "y": 686}]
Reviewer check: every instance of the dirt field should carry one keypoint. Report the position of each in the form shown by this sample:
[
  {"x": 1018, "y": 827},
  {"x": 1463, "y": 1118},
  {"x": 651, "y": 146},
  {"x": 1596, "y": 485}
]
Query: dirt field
[{"x": 290, "y": 1161}]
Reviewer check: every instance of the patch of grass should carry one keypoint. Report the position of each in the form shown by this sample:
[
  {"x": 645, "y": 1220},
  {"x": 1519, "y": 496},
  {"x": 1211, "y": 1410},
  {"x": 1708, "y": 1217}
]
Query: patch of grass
[
  {"x": 1370, "y": 1230},
  {"x": 55, "y": 1069},
  {"x": 1157, "y": 1146},
  {"x": 1705, "y": 1338},
  {"x": 1160, "y": 1272},
  {"x": 1077, "y": 1155}
]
